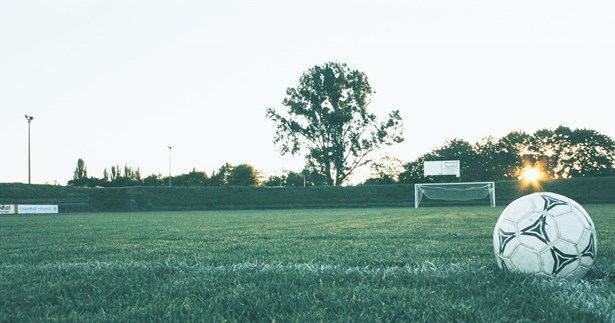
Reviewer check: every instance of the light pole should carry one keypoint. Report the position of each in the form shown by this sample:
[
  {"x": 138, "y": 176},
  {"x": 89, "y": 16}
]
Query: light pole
[
  {"x": 169, "y": 166},
  {"x": 29, "y": 118}
]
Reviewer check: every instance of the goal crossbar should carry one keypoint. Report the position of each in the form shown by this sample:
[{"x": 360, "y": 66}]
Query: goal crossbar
[{"x": 463, "y": 191}]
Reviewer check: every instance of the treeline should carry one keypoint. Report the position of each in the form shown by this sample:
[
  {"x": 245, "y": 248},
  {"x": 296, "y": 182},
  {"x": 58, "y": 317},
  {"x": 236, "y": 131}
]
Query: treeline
[
  {"x": 560, "y": 153},
  {"x": 226, "y": 175},
  {"x": 239, "y": 175}
]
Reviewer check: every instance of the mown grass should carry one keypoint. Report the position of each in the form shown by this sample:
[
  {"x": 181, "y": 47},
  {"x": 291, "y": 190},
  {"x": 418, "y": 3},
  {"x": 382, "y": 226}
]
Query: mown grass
[{"x": 359, "y": 265}]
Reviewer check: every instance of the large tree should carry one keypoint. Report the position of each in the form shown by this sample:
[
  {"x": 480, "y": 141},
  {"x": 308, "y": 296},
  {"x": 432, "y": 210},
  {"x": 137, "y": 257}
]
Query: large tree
[
  {"x": 566, "y": 153},
  {"x": 503, "y": 158},
  {"x": 220, "y": 178},
  {"x": 243, "y": 175},
  {"x": 80, "y": 176},
  {"x": 385, "y": 171},
  {"x": 193, "y": 178},
  {"x": 328, "y": 122},
  {"x": 81, "y": 172}
]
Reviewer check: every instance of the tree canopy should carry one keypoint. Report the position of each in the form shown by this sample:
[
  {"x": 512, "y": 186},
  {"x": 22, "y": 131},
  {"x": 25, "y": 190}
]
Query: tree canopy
[
  {"x": 559, "y": 153},
  {"x": 227, "y": 175},
  {"x": 328, "y": 122}
]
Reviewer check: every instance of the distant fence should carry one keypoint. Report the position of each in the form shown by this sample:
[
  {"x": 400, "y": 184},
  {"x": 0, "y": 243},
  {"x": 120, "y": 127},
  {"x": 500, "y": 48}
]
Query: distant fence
[{"x": 75, "y": 199}]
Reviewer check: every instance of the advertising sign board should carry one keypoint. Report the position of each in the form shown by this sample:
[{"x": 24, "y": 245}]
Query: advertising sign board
[
  {"x": 442, "y": 167},
  {"x": 7, "y": 209},
  {"x": 36, "y": 209}
]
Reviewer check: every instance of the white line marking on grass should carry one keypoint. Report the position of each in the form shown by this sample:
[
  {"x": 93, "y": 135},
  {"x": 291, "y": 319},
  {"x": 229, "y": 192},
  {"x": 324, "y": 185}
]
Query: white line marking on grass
[
  {"x": 592, "y": 296},
  {"x": 246, "y": 267}
]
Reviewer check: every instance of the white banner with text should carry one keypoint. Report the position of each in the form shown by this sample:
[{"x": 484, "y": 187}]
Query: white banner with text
[
  {"x": 442, "y": 167},
  {"x": 36, "y": 209}
]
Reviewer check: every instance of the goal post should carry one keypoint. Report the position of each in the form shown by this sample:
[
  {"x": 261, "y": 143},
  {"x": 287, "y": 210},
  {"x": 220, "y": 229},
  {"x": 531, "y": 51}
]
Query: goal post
[{"x": 455, "y": 191}]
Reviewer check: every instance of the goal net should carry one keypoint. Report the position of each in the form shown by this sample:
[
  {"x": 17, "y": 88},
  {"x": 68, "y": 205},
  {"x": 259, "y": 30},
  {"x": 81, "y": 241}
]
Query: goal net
[{"x": 455, "y": 192}]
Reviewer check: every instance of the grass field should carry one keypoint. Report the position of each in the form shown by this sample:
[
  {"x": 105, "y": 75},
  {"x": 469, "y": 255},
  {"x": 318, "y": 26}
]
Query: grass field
[{"x": 359, "y": 265}]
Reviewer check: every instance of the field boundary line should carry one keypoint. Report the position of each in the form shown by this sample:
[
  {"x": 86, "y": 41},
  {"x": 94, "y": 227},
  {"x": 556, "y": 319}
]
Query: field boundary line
[{"x": 255, "y": 267}]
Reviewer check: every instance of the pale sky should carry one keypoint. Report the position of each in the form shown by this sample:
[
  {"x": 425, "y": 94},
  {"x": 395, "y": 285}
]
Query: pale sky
[{"x": 118, "y": 81}]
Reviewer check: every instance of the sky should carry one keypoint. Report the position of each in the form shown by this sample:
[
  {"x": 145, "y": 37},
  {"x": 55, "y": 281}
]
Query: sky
[{"x": 116, "y": 82}]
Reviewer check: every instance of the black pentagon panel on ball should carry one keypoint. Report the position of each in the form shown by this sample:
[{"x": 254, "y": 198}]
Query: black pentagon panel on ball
[
  {"x": 551, "y": 202},
  {"x": 590, "y": 250},
  {"x": 561, "y": 260},
  {"x": 537, "y": 229},
  {"x": 505, "y": 238}
]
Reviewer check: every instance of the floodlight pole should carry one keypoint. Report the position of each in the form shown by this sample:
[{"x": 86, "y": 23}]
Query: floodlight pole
[
  {"x": 169, "y": 166},
  {"x": 29, "y": 118}
]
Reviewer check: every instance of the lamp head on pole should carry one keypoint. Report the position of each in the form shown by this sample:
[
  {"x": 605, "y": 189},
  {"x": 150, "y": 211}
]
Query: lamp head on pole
[{"x": 29, "y": 118}]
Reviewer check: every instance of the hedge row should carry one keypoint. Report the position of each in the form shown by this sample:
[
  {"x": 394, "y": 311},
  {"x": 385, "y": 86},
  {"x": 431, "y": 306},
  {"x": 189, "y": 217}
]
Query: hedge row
[{"x": 72, "y": 199}]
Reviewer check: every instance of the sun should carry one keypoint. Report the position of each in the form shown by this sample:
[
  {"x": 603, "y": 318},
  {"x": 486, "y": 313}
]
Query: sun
[{"x": 531, "y": 174}]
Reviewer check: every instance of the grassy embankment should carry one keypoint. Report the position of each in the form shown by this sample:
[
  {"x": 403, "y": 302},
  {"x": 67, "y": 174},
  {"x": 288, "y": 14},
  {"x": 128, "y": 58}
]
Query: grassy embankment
[{"x": 72, "y": 199}]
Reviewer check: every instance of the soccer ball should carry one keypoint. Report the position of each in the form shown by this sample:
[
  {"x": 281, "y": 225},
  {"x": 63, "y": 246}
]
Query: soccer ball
[{"x": 545, "y": 234}]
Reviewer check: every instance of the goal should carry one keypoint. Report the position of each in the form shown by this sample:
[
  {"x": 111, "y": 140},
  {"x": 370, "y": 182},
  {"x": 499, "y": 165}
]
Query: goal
[{"x": 455, "y": 192}]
